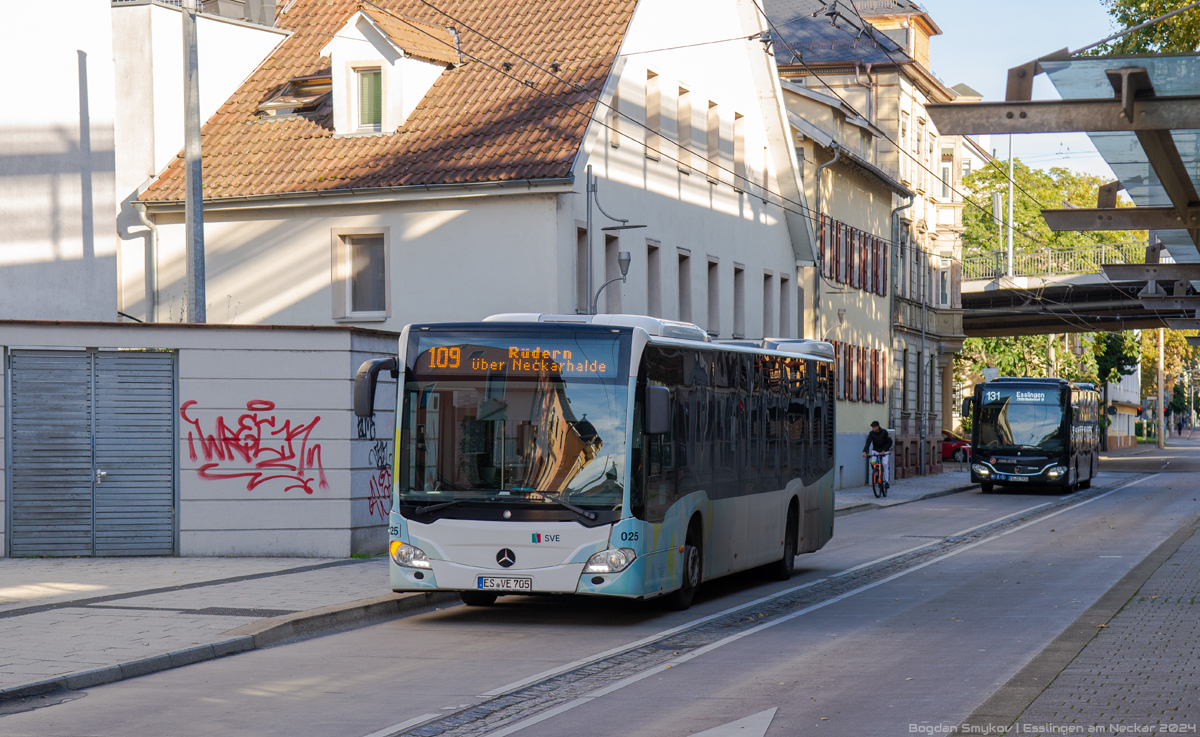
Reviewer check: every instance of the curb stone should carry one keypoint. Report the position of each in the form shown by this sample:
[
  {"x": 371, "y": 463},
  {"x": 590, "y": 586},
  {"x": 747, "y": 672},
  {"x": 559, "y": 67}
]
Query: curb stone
[
  {"x": 867, "y": 506},
  {"x": 252, "y": 636}
]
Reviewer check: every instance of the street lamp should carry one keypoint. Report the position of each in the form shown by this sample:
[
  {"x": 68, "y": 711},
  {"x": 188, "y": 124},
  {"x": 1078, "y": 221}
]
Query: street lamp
[
  {"x": 623, "y": 259},
  {"x": 841, "y": 321}
]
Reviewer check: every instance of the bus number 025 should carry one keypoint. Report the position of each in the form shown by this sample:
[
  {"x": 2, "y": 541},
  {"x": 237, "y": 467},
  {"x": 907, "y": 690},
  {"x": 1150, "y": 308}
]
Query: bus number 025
[
  {"x": 628, "y": 537},
  {"x": 446, "y": 358}
]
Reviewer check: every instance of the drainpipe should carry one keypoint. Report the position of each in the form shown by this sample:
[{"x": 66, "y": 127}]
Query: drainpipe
[
  {"x": 152, "y": 272},
  {"x": 892, "y": 310},
  {"x": 837, "y": 154}
]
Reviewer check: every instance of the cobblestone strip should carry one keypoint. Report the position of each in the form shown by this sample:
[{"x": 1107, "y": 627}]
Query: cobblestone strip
[{"x": 508, "y": 709}]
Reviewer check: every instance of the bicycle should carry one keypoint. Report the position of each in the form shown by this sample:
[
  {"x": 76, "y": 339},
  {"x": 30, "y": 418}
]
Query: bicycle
[{"x": 879, "y": 484}]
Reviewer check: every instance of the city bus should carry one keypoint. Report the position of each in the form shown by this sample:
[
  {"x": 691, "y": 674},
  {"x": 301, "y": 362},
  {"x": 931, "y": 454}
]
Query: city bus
[
  {"x": 608, "y": 455},
  {"x": 1034, "y": 432}
]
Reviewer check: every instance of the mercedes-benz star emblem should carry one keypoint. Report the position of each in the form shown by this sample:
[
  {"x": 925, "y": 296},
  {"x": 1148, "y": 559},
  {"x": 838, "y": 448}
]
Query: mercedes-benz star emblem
[{"x": 506, "y": 557}]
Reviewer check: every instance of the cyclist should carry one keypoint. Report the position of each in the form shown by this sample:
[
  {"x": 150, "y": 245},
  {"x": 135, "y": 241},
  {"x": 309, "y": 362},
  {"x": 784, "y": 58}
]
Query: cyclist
[{"x": 878, "y": 441}]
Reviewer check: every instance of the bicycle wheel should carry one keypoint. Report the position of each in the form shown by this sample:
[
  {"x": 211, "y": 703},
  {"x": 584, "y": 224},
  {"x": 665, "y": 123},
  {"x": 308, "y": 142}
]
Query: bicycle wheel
[{"x": 876, "y": 484}]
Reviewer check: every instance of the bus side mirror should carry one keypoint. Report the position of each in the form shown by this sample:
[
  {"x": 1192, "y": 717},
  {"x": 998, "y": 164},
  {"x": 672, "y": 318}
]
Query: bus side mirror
[
  {"x": 658, "y": 410},
  {"x": 364, "y": 384},
  {"x": 967, "y": 406}
]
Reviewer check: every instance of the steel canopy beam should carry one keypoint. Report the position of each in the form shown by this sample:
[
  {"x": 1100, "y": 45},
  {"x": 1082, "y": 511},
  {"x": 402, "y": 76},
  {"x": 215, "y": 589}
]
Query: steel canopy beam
[
  {"x": 1121, "y": 218},
  {"x": 1147, "y": 272},
  {"x": 1167, "y": 304},
  {"x": 1065, "y": 116}
]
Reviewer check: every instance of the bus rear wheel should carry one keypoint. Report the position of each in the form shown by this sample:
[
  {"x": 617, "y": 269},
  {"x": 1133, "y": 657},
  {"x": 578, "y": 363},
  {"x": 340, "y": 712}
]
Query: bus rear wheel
[{"x": 478, "y": 598}]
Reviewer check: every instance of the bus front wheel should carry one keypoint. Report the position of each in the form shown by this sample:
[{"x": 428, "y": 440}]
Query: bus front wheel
[
  {"x": 478, "y": 598},
  {"x": 781, "y": 570},
  {"x": 986, "y": 487},
  {"x": 681, "y": 598}
]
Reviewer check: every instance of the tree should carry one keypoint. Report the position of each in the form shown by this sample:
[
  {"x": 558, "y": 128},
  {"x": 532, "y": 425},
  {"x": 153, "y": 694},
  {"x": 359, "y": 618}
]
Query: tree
[
  {"x": 1177, "y": 355},
  {"x": 1179, "y": 401},
  {"x": 1179, "y": 33},
  {"x": 1117, "y": 355},
  {"x": 1046, "y": 189}
]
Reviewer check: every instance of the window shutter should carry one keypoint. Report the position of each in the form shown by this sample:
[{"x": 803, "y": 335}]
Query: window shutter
[
  {"x": 838, "y": 368},
  {"x": 885, "y": 277},
  {"x": 854, "y": 376},
  {"x": 823, "y": 245},
  {"x": 854, "y": 256},
  {"x": 883, "y": 375}
]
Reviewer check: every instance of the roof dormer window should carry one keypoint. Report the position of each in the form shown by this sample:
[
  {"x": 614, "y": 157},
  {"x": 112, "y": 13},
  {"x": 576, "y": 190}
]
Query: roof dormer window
[
  {"x": 370, "y": 99},
  {"x": 382, "y": 66}
]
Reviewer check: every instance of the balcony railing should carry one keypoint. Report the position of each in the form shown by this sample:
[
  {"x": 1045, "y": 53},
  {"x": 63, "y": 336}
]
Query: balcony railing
[{"x": 1050, "y": 261}]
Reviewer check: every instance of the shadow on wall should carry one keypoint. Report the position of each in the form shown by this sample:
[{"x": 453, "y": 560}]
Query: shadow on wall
[{"x": 57, "y": 246}]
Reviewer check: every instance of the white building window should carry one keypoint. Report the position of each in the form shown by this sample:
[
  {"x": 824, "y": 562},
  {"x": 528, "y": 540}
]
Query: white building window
[
  {"x": 370, "y": 99},
  {"x": 360, "y": 275}
]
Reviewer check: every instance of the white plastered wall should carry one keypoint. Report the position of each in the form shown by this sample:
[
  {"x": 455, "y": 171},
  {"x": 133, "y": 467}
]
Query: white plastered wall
[
  {"x": 57, "y": 246},
  {"x": 307, "y": 375},
  {"x": 454, "y": 258},
  {"x": 711, "y": 219}
]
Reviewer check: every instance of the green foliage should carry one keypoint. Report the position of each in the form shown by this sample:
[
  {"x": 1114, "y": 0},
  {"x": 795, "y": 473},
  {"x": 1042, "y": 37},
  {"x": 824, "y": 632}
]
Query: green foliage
[
  {"x": 1029, "y": 355},
  {"x": 1177, "y": 355},
  {"x": 1117, "y": 355},
  {"x": 1180, "y": 33},
  {"x": 1049, "y": 189},
  {"x": 1179, "y": 400}
]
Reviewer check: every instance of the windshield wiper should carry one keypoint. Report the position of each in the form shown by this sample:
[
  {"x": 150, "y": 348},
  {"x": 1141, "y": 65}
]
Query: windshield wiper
[
  {"x": 435, "y": 507},
  {"x": 570, "y": 506}
]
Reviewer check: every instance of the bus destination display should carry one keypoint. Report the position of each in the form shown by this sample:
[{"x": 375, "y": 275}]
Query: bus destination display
[{"x": 515, "y": 359}]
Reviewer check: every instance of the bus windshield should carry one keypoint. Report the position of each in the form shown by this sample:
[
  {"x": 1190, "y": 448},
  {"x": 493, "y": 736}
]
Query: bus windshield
[
  {"x": 530, "y": 417},
  {"x": 1021, "y": 419}
]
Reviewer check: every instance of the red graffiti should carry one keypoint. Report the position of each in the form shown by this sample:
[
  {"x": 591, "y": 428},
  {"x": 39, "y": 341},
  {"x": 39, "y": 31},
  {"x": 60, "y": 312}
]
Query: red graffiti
[{"x": 271, "y": 452}]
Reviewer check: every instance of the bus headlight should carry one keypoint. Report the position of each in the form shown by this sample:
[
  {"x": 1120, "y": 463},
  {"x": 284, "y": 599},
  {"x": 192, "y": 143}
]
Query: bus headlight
[
  {"x": 409, "y": 556},
  {"x": 612, "y": 560},
  {"x": 1056, "y": 472},
  {"x": 981, "y": 469}
]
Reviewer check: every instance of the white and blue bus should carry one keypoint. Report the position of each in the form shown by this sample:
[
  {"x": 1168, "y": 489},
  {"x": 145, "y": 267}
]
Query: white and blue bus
[{"x": 610, "y": 455}]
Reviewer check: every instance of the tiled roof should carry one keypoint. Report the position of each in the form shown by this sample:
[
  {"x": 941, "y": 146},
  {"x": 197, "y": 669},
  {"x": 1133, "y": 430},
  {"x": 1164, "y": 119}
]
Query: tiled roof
[
  {"x": 819, "y": 42},
  {"x": 474, "y": 125},
  {"x": 418, "y": 39}
]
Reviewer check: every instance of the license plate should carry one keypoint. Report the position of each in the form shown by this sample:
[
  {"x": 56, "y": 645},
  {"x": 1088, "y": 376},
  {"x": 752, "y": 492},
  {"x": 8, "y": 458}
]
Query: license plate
[
  {"x": 505, "y": 584},
  {"x": 1018, "y": 478}
]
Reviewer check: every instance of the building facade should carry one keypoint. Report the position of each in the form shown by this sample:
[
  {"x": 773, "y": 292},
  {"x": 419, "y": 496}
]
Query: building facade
[
  {"x": 878, "y": 64},
  {"x": 848, "y": 293}
]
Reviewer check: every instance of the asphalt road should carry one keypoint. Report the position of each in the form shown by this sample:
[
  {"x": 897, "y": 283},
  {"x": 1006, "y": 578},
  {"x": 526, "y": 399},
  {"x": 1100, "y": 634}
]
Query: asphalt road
[{"x": 921, "y": 638}]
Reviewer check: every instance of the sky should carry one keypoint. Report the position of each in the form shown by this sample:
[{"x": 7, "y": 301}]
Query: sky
[{"x": 981, "y": 41}]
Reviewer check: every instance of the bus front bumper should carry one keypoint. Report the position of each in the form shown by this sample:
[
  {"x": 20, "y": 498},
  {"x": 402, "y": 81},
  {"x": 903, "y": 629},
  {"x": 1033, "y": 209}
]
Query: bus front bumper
[
  {"x": 561, "y": 579},
  {"x": 985, "y": 473}
]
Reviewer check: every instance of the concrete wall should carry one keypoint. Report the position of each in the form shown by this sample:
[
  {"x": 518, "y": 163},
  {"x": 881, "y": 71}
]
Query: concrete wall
[
  {"x": 328, "y": 497},
  {"x": 57, "y": 245},
  {"x": 148, "y": 59}
]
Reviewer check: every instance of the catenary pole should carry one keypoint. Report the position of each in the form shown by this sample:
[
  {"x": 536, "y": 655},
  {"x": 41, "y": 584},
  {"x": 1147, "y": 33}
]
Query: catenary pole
[
  {"x": 1162, "y": 426},
  {"x": 193, "y": 176},
  {"x": 1010, "y": 204}
]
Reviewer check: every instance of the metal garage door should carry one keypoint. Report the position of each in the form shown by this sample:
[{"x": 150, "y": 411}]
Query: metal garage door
[{"x": 92, "y": 453}]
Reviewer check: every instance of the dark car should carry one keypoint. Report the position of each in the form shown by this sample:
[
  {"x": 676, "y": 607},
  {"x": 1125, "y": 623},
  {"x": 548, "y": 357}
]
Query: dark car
[{"x": 954, "y": 447}]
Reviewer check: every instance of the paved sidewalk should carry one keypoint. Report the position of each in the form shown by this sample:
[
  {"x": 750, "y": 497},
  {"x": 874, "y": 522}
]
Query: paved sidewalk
[
  {"x": 1141, "y": 670},
  {"x": 902, "y": 491},
  {"x": 64, "y": 616}
]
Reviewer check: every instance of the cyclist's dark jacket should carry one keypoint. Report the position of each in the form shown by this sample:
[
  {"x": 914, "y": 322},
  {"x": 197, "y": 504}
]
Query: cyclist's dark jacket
[{"x": 879, "y": 439}]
